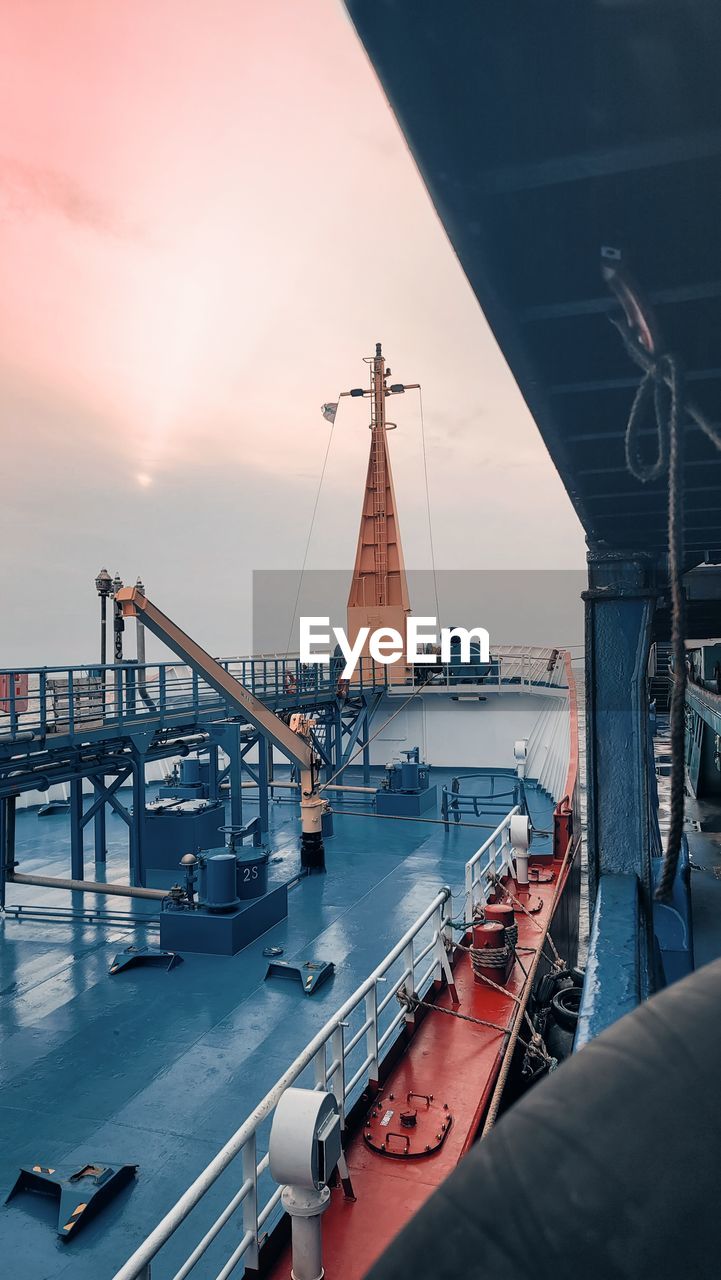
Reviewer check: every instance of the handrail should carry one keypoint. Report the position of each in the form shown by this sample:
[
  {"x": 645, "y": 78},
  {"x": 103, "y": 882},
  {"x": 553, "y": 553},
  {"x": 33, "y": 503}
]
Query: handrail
[
  {"x": 61, "y": 701},
  {"x": 497, "y": 847},
  {"x": 516, "y": 666},
  {"x": 71, "y": 700},
  {"x": 243, "y": 1141}
]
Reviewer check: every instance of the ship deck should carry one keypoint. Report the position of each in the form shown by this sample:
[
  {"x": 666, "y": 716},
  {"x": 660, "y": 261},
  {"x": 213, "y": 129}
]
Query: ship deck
[{"x": 158, "y": 1068}]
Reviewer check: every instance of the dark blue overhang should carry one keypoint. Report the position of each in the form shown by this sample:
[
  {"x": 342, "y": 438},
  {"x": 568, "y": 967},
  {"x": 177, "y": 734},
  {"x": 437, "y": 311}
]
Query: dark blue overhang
[{"x": 545, "y": 129}]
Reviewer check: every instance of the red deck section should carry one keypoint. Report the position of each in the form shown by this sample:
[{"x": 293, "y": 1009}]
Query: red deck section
[{"x": 458, "y": 1062}]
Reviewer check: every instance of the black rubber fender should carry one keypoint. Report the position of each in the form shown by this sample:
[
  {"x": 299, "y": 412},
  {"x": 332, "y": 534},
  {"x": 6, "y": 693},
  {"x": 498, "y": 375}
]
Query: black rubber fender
[
  {"x": 564, "y": 1008},
  {"x": 609, "y": 1169}
]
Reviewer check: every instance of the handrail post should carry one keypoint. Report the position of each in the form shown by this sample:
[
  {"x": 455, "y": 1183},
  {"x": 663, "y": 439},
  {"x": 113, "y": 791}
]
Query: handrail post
[
  {"x": 372, "y": 1035},
  {"x": 409, "y": 963},
  {"x": 43, "y": 696},
  {"x": 439, "y": 947},
  {"x": 13, "y": 705},
  {"x": 250, "y": 1204},
  {"x": 118, "y": 693},
  {"x": 320, "y": 1067},
  {"x": 338, "y": 1086},
  {"x": 443, "y": 967}
]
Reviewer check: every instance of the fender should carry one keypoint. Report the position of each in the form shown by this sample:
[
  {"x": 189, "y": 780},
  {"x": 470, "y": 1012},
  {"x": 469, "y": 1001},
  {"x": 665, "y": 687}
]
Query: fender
[{"x": 609, "y": 1169}]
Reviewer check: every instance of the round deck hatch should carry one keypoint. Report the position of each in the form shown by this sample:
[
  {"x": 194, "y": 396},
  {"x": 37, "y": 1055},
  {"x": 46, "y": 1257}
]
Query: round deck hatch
[{"x": 407, "y": 1128}]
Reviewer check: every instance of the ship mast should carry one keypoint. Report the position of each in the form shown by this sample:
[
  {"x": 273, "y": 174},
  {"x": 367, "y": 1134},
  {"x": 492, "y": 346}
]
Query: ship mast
[{"x": 379, "y": 587}]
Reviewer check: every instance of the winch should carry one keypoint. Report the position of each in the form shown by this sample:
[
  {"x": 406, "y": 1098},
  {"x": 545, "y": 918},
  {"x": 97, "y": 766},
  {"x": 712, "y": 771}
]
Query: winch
[
  {"x": 224, "y": 902},
  {"x": 406, "y": 789}
]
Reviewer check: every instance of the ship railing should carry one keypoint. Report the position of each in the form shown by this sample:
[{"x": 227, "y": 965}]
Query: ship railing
[
  {"x": 42, "y": 701},
  {"x": 488, "y": 862},
  {"x": 510, "y": 666},
  {"x": 363, "y": 1028}
]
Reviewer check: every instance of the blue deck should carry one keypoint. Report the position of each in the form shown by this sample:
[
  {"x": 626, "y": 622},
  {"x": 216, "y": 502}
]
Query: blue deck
[{"x": 159, "y": 1068}]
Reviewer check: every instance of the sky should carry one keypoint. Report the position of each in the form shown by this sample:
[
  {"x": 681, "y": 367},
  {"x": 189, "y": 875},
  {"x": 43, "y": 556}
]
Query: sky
[{"x": 208, "y": 217}]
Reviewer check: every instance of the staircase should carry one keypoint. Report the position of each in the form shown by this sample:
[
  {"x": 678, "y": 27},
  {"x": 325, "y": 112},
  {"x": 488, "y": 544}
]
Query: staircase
[{"x": 659, "y": 685}]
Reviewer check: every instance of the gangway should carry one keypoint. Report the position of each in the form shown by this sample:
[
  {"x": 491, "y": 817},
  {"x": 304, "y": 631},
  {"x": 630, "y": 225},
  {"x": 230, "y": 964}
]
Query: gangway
[{"x": 293, "y": 740}]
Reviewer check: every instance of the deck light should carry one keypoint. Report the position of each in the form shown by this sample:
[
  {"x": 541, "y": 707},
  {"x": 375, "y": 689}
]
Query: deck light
[{"x": 104, "y": 587}]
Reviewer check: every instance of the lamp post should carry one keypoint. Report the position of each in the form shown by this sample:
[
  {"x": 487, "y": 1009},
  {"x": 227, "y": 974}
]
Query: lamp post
[
  {"x": 118, "y": 623},
  {"x": 140, "y": 629},
  {"x": 104, "y": 588}
]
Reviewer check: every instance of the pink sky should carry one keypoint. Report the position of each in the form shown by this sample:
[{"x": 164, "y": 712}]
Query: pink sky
[{"x": 208, "y": 218}]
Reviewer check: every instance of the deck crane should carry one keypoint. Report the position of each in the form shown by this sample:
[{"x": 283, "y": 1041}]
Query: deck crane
[{"x": 295, "y": 741}]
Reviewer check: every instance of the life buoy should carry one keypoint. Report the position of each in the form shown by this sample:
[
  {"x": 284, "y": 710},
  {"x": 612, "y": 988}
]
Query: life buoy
[{"x": 290, "y": 684}]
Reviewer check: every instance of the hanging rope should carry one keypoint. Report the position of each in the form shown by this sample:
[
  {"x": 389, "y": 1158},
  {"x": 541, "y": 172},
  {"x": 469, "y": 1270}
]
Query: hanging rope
[
  {"x": 662, "y": 387},
  {"x": 310, "y": 534},
  {"x": 428, "y": 507},
  {"x": 369, "y": 740}
]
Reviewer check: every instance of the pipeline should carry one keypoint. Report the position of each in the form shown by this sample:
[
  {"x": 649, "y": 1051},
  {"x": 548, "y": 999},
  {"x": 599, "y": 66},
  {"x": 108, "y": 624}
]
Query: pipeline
[
  {"x": 88, "y": 886},
  {"x": 49, "y": 774}
]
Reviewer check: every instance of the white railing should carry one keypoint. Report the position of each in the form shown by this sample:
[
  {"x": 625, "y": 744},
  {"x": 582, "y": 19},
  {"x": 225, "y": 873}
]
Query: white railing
[
  {"x": 549, "y": 744},
  {"x": 491, "y": 860},
  {"x": 341, "y": 1074},
  {"x": 511, "y": 668}
]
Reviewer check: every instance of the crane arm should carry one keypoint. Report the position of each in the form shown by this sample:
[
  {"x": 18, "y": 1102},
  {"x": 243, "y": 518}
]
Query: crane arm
[{"x": 133, "y": 604}]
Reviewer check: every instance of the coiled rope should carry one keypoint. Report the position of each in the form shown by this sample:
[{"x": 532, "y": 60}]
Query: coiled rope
[{"x": 662, "y": 387}]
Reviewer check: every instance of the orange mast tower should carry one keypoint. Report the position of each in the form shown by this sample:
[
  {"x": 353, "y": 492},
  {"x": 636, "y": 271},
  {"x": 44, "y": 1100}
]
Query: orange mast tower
[{"x": 379, "y": 589}]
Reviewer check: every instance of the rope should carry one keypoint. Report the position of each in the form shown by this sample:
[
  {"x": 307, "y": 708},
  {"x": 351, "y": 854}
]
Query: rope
[
  {"x": 536, "y": 1046},
  {"x": 493, "y": 956},
  {"x": 369, "y": 740},
  {"x": 497, "y": 884},
  {"x": 395, "y": 817},
  {"x": 662, "y": 385},
  {"x": 526, "y": 992},
  {"x": 310, "y": 534},
  {"x": 428, "y": 506}
]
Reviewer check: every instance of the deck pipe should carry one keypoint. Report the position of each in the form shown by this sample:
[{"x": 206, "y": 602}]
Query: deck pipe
[
  {"x": 50, "y": 774},
  {"x": 88, "y": 886}
]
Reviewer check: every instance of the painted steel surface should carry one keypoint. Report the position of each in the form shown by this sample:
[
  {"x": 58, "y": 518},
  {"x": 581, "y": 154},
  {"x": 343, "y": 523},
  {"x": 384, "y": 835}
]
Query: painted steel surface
[
  {"x": 455, "y": 1061},
  {"x": 157, "y": 1068}
]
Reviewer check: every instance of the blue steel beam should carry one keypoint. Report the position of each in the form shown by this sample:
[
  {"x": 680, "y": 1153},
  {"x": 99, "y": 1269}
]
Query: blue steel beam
[
  {"x": 77, "y": 861},
  {"x": 615, "y": 972},
  {"x": 619, "y": 609}
]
